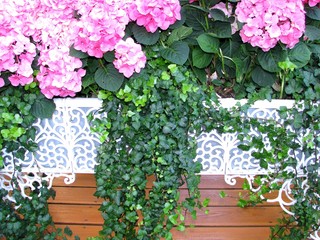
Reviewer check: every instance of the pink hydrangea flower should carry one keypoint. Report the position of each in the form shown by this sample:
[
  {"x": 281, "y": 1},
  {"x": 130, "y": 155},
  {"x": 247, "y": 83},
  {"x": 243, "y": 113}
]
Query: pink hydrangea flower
[
  {"x": 17, "y": 79},
  {"x": 129, "y": 57},
  {"x": 2, "y": 83},
  {"x": 311, "y": 3},
  {"x": 101, "y": 26},
  {"x": 153, "y": 14},
  {"x": 268, "y": 21}
]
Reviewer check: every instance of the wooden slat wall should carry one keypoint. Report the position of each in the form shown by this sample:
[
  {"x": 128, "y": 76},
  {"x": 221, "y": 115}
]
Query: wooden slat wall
[{"x": 76, "y": 207}]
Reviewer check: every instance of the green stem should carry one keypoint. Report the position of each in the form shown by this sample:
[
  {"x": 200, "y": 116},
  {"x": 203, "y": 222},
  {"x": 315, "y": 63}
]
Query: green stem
[{"x": 283, "y": 80}]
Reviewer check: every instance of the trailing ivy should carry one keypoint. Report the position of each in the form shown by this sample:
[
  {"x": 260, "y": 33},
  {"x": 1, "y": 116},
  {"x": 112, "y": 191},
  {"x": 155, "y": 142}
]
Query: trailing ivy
[
  {"x": 26, "y": 217},
  {"x": 150, "y": 133},
  {"x": 283, "y": 144},
  {"x": 29, "y": 218}
]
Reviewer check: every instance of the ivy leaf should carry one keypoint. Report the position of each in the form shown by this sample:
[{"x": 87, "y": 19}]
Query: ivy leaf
[
  {"x": 264, "y": 164},
  {"x": 43, "y": 107},
  {"x": 298, "y": 121},
  {"x": 262, "y": 77},
  {"x": 222, "y": 194},
  {"x": 143, "y": 36},
  {"x": 108, "y": 78},
  {"x": 293, "y": 86},
  {"x": 300, "y": 55},
  {"x": 244, "y": 147},
  {"x": 201, "y": 59},
  {"x": 177, "y": 53},
  {"x": 67, "y": 231},
  {"x": 181, "y": 227},
  {"x": 174, "y": 219},
  {"x": 205, "y": 202},
  {"x": 208, "y": 43}
]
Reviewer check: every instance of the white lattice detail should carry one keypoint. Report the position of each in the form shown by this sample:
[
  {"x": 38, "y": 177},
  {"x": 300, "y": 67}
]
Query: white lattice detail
[{"x": 67, "y": 147}]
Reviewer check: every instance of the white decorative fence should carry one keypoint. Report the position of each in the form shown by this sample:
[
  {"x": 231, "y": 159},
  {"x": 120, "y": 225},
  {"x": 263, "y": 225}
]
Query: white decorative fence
[{"x": 67, "y": 147}]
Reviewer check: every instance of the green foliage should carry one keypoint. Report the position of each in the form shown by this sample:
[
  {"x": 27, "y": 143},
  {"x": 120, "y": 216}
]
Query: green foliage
[
  {"x": 147, "y": 134},
  {"x": 29, "y": 218},
  {"x": 282, "y": 152},
  {"x": 19, "y": 108}
]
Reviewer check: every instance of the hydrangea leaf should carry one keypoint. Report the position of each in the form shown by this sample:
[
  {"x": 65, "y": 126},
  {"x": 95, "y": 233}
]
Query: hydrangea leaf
[
  {"x": 177, "y": 53},
  {"x": 108, "y": 78}
]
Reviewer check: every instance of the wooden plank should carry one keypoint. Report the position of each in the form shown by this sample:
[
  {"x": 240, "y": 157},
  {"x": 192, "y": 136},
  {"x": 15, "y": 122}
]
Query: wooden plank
[
  {"x": 80, "y": 195},
  {"x": 82, "y": 180},
  {"x": 217, "y": 216},
  {"x": 235, "y": 216},
  {"x": 222, "y": 233},
  {"x": 199, "y": 233},
  {"x": 207, "y": 182}
]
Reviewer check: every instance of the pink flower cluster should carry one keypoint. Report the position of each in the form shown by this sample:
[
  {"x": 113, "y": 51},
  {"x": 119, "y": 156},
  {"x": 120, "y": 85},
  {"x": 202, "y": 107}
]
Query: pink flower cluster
[
  {"x": 268, "y": 21},
  {"x": 127, "y": 55},
  {"x": 48, "y": 28},
  {"x": 311, "y": 3},
  {"x": 153, "y": 13},
  {"x": 101, "y": 26}
]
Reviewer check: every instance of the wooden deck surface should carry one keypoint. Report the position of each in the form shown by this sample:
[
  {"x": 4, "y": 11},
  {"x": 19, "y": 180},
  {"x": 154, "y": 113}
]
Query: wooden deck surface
[{"x": 76, "y": 207}]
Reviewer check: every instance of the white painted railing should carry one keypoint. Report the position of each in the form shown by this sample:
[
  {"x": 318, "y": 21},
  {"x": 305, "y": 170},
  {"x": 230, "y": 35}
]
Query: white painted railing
[{"x": 67, "y": 147}]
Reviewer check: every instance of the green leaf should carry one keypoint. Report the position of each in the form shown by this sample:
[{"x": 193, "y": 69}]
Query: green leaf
[
  {"x": 109, "y": 56},
  {"x": 205, "y": 202},
  {"x": 179, "y": 34},
  {"x": 269, "y": 60},
  {"x": 181, "y": 227},
  {"x": 174, "y": 219},
  {"x": 177, "y": 53},
  {"x": 67, "y": 231},
  {"x": 222, "y": 194},
  {"x": 201, "y": 59},
  {"x": 77, "y": 53},
  {"x": 217, "y": 14},
  {"x": 313, "y": 13},
  {"x": 143, "y": 36},
  {"x": 314, "y": 48},
  {"x": 196, "y": 19},
  {"x": 262, "y": 77},
  {"x": 300, "y": 55},
  {"x": 88, "y": 80},
  {"x": 312, "y": 32},
  {"x": 242, "y": 203},
  {"x": 108, "y": 78},
  {"x": 208, "y": 43},
  {"x": 43, "y": 108},
  {"x": 221, "y": 29},
  {"x": 244, "y": 147},
  {"x": 201, "y": 74},
  {"x": 298, "y": 121},
  {"x": 264, "y": 164}
]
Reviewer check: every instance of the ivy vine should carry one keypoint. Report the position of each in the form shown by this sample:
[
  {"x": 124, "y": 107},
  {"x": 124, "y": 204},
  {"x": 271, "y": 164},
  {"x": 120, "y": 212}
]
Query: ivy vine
[
  {"x": 25, "y": 218},
  {"x": 150, "y": 130}
]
